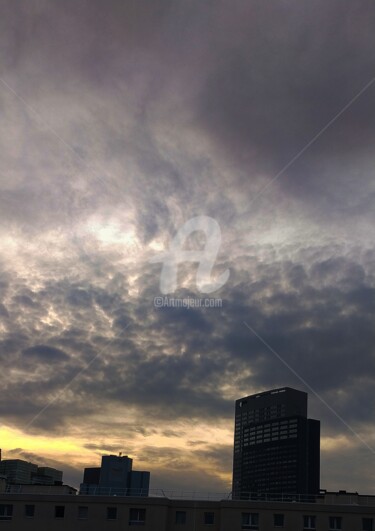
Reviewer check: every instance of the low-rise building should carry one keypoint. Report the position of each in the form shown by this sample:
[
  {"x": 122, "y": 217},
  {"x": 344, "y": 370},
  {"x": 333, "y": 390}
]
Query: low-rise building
[
  {"x": 41, "y": 489},
  {"x": 329, "y": 511}
]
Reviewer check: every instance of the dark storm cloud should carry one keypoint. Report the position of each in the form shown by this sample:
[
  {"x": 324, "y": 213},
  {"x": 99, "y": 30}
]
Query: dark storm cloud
[
  {"x": 268, "y": 95},
  {"x": 79, "y": 297},
  {"x": 24, "y": 300},
  {"x": 3, "y": 311},
  {"x": 261, "y": 89},
  {"x": 45, "y": 354},
  {"x": 318, "y": 325}
]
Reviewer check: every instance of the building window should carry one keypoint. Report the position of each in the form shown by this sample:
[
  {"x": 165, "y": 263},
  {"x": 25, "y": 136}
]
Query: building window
[
  {"x": 209, "y": 518},
  {"x": 29, "y": 511},
  {"x": 309, "y": 522},
  {"x": 367, "y": 524},
  {"x": 83, "y": 512},
  {"x": 137, "y": 516},
  {"x": 335, "y": 523},
  {"x": 59, "y": 511},
  {"x": 180, "y": 517},
  {"x": 111, "y": 513},
  {"x": 278, "y": 520},
  {"x": 250, "y": 521},
  {"x": 6, "y": 512}
]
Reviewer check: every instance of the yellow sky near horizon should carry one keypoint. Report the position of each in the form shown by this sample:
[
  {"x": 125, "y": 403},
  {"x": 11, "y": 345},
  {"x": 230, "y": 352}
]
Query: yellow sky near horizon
[{"x": 174, "y": 451}]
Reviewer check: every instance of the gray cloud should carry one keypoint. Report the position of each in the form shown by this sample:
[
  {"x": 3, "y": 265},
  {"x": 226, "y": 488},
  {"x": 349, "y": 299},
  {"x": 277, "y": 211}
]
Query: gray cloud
[
  {"x": 44, "y": 354},
  {"x": 130, "y": 119}
]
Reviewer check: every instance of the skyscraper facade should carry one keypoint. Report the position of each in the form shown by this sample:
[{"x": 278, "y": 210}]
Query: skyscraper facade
[{"x": 276, "y": 447}]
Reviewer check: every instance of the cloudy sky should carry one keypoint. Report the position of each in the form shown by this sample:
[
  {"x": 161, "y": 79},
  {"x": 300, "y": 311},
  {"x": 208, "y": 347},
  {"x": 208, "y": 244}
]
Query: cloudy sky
[{"x": 120, "y": 121}]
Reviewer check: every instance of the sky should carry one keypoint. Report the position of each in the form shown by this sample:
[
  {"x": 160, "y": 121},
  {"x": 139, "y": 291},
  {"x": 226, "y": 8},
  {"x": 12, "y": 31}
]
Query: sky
[{"x": 120, "y": 122}]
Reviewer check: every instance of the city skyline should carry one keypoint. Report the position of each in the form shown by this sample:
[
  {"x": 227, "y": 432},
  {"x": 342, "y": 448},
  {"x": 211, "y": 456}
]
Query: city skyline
[
  {"x": 123, "y": 123},
  {"x": 292, "y": 405}
]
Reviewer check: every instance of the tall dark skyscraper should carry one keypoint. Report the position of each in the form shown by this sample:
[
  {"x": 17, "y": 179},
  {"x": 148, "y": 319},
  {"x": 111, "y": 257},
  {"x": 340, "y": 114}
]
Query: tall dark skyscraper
[{"x": 276, "y": 447}]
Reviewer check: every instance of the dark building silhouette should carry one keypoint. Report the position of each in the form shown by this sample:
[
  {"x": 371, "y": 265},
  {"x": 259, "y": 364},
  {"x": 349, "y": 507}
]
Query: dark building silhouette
[
  {"x": 91, "y": 476},
  {"x": 115, "y": 476},
  {"x": 20, "y": 472},
  {"x": 276, "y": 447}
]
